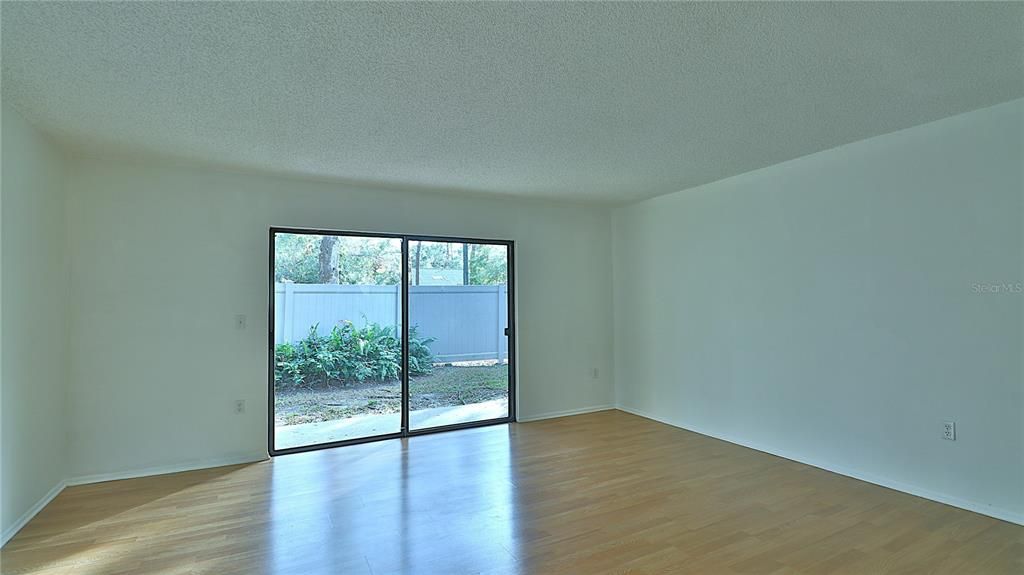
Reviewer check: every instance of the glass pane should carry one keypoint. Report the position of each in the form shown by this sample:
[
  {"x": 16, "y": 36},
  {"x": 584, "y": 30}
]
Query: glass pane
[
  {"x": 337, "y": 338},
  {"x": 458, "y": 312}
]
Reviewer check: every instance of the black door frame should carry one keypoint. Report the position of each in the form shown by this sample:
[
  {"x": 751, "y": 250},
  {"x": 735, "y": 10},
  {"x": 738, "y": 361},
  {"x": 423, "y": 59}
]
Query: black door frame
[{"x": 405, "y": 426}]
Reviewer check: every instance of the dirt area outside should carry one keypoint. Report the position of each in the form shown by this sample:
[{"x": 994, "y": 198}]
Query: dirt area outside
[{"x": 448, "y": 385}]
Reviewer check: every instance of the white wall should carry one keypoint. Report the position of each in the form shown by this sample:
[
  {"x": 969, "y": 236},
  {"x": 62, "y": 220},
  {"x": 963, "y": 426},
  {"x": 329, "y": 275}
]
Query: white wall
[
  {"x": 825, "y": 309},
  {"x": 156, "y": 368},
  {"x": 33, "y": 338}
]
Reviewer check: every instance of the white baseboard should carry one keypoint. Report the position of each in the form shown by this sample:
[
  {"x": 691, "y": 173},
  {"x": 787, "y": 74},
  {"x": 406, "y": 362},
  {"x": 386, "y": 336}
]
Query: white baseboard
[
  {"x": 567, "y": 412},
  {"x": 165, "y": 469},
  {"x": 11, "y": 531},
  {"x": 982, "y": 508}
]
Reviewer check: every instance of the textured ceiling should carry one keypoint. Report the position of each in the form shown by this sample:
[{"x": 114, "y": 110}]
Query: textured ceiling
[{"x": 579, "y": 101}]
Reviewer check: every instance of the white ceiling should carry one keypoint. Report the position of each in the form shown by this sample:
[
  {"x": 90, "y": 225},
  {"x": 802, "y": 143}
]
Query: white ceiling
[{"x": 582, "y": 101}]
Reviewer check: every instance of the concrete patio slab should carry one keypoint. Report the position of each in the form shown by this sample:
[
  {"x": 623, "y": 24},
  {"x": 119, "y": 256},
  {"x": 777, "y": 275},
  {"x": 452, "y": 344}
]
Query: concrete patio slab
[{"x": 380, "y": 424}]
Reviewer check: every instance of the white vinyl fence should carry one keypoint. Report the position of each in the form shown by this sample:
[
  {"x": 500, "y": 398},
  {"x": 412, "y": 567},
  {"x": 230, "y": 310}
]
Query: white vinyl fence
[{"x": 467, "y": 322}]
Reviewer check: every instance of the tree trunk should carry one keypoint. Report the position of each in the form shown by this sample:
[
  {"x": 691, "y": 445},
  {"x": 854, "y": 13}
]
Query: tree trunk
[
  {"x": 418, "y": 246},
  {"x": 327, "y": 275},
  {"x": 465, "y": 264}
]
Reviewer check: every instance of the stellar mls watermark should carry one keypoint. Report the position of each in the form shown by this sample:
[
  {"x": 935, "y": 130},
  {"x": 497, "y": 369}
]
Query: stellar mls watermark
[{"x": 997, "y": 287}]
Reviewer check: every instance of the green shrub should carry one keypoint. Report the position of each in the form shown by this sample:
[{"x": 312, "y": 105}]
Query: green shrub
[
  {"x": 421, "y": 361},
  {"x": 349, "y": 354}
]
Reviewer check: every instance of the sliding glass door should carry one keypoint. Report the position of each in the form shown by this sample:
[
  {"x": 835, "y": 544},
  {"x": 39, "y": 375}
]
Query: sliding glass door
[
  {"x": 337, "y": 338},
  {"x": 458, "y": 311},
  {"x": 383, "y": 336}
]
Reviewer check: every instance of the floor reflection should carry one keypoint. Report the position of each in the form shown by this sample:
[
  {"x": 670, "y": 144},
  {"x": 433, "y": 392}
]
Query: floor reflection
[{"x": 433, "y": 504}]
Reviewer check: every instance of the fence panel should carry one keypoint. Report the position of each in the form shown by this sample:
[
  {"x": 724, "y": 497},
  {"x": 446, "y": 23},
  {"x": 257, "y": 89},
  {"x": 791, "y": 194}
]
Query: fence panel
[
  {"x": 298, "y": 307},
  {"x": 467, "y": 322}
]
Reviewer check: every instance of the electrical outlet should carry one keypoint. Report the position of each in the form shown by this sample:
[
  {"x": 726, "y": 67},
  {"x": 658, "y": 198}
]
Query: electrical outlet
[
  {"x": 594, "y": 373},
  {"x": 240, "y": 321},
  {"x": 949, "y": 430},
  {"x": 239, "y": 406}
]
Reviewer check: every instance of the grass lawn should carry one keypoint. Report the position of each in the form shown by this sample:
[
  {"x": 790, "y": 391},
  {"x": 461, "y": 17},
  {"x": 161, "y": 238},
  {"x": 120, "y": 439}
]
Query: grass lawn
[{"x": 446, "y": 386}]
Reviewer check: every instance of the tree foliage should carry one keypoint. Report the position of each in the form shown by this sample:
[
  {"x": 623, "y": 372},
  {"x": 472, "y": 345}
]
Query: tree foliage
[
  {"x": 488, "y": 265},
  {"x": 368, "y": 261},
  {"x": 309, "y": 258},
  {"x": 296, "y": 258}
]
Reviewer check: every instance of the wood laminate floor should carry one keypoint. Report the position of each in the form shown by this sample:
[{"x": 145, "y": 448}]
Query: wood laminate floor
[{"x": 605, "y": 492}]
